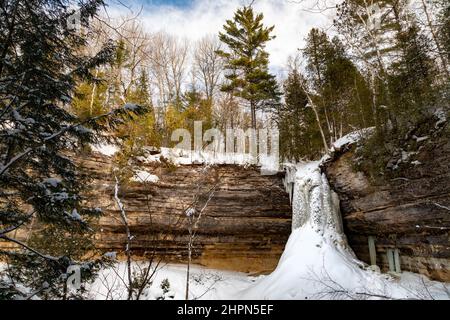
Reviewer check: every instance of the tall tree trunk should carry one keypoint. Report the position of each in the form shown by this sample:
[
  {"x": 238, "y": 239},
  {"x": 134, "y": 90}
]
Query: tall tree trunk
[
  {"x": 94, "y": 88},
  {"x": 253, "y": 112},
  {"x": 188, "y": 270},
  {"x": 319, "y": 125},
  {"x": 382, "y": 74},
  {"x": 435, "y": 38},
  {"x": 123, "y": 216}
]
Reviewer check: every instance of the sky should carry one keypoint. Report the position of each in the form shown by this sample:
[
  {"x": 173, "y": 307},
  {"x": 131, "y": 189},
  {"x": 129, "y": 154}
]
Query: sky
[{"x": 195, "y": 19}]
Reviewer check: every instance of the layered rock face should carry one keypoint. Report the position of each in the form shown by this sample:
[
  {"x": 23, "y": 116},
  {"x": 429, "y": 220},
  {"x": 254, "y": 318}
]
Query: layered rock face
[
  {"x": 245, "y": 217},
  {"x": 410, "y": 213}
]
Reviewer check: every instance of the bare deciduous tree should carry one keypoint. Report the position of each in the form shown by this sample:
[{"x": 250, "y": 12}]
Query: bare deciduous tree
[
  {"x": 194, "y": 213},
  {"x": 168, "y": 65},
  {"x": 208, "y": 64}
]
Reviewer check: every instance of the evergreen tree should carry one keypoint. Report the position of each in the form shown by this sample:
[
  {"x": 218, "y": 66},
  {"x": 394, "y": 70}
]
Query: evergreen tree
[
  {"x": 341, "y": 93},
  {"x": 444, "y": 27},
  {"x": 412, "y": 77},
  {"x": 40, "y": 65},
  {"x": 247, "y": 61},
  {"x": 317, "y": 53},
  {"x": 345, "y": 93},
  {"x": 109, "y": 90},
  {"x": 370, "y": 26},
  {"x": 370, "y": 29},
  {"x": 90, "y": 97},
  {"x": 299, "y": 136},
  {"x": 140, "y": 130}
]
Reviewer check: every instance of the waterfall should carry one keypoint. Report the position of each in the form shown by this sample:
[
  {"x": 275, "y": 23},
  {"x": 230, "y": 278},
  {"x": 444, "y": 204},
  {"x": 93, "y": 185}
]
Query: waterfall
[{"x": 316, "y": 205}]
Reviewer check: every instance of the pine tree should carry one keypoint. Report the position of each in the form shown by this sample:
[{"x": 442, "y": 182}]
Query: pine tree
[
  {"x": 341, "y": 94},
  {"x": 40, "y": 65},
  {"x": 90, "y": 97},
  {"x": 317, "y": 52},
  {"x": 345, "y": 93},
  {"x": 109, "y": 90},
  {"x": 299, "y": 136},
  {"x": 412, "y": 77},
  {"x": 247, "y": 61},
  {"x": 444, "y": 29},
  {"x": 370, "y": 29},
  {"x": 140, "y": 130}
]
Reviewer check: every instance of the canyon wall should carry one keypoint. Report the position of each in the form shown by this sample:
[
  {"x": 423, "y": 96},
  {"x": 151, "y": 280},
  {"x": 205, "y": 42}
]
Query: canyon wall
[{"x": 244, "y": 226}]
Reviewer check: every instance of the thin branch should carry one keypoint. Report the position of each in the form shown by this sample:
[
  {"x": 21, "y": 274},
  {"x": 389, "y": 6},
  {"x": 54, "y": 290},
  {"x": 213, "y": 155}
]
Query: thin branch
[{"x": 20, "y": 243}]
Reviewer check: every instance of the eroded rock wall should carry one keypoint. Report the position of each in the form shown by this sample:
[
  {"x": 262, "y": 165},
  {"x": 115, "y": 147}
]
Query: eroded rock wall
[{"x": 244, "y": 226}]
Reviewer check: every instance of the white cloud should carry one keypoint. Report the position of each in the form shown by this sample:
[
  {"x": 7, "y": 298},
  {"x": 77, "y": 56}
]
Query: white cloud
[{"x": 292, "y": 22}]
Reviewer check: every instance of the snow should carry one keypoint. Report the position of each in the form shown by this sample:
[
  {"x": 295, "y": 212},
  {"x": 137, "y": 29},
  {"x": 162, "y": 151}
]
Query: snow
[
  {"x": 207, "y": 284},
  {"x": 314, "y": 271},
  {"x": 269, "y": 163},
  {"x": 420, "y": 139},
  {"x": 75, "y": 215},
  {"x": 130, "y": 107},
  {"x": 19, "y": 118},
  {"x": 352, "y": 137},
  {"x": 105, "y": 149},
  {"x": 407, "y": 155},
  {"x": 348, "y": 139},
  {"x": 59, "y": 196},
  {"x": 83, "y": 130},
  {"x": 190, "y": 212},
  {"x": 317, "y": 263},
  {"x": 52, "y": 181},
  {"x": 442, "y": 117},
  {"x": 110, "y": 255},
  {"x": 144, "y": 176}
]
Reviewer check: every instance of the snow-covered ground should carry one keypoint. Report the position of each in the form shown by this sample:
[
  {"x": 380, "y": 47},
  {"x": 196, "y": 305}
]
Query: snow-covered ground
[
  {"x": 105, "y": 149},
  {"x": 293, "y": 279},
  {"x": 267, "y": 162},
  {"x": 144, "y": 176},
  {"x": 207, "y": 284}
]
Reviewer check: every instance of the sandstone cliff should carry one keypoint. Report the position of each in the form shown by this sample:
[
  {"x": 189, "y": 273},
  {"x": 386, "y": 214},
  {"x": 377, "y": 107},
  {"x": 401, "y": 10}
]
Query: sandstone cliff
[{"x": 244, "y": 226}]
